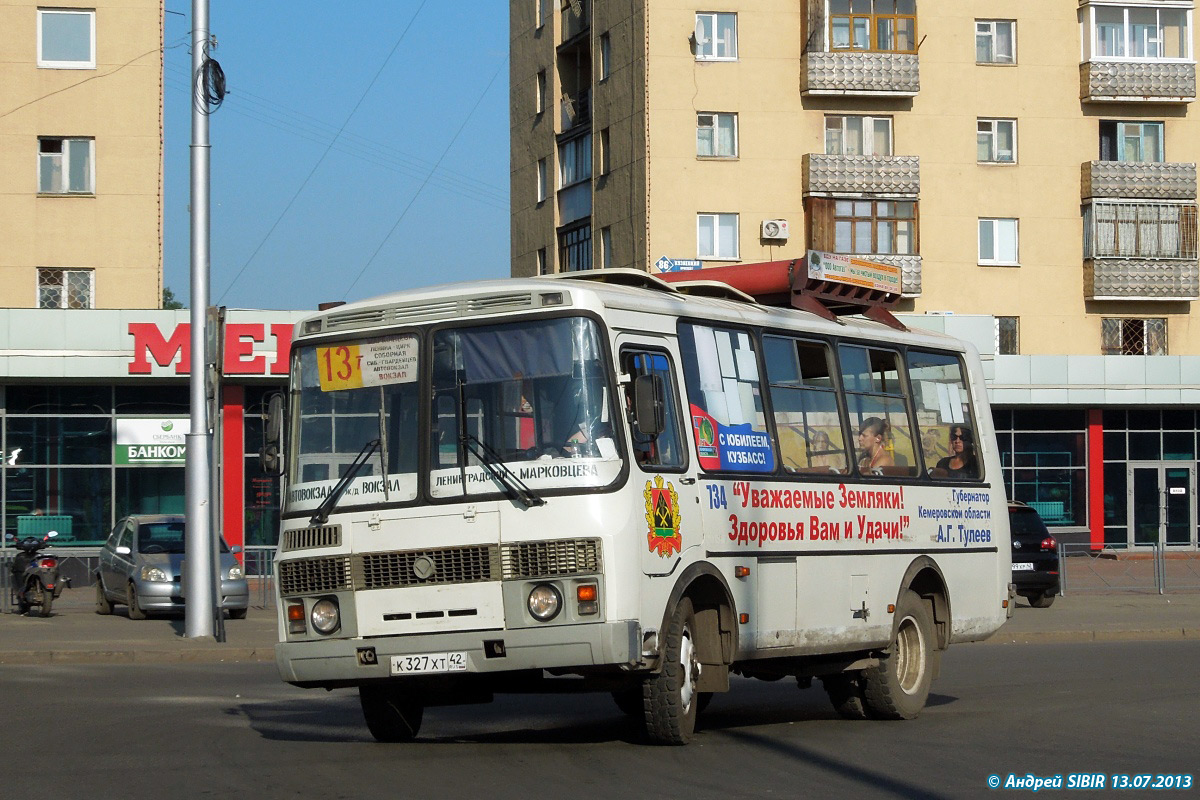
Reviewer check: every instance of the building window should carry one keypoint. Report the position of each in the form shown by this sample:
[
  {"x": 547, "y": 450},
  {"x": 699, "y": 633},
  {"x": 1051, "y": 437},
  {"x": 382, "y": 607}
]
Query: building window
[
  {"x": 1139, "y": 230},
  {"x": 605, "y": 56},
  {"x": 541, "y": 12},
  {"x": 1044, "y": 455},
  {"x": 998, "y": 242},
  {"x": 65, "y": 166},
  {"x": 575, "y": 248},
  {"x": 996, "y": 141},
  {"x": 1133, "y": 337},
  {"x": 883, "y": 227},
  {"x": 66, "y": 38},
  {"x": 995, "y": 41},
  {"x": 540, "y": 100},
  {"x": 605, "y": 152},
  {"x": 1008, "y": 336},
  {"x": 1135, "y": 142},
  {"x": 1138, "y": 32},
  {"x": 716, "y": 36},
  {"x": 541, "y": 180},
  {"x": 885, "y": 26},
  {"x": 717, "y": 236},
  {"x": 854, "y": 135},
  {"x": 543, "y": 268},
  {"x": 716, "y": 135},
  {"x": 575, "y": 161},
  {"x": 66, "y": 288},
  {"x": 606, "y": 248}
]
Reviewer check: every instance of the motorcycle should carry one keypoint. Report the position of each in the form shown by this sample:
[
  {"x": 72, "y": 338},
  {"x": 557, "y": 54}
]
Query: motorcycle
[{"x": 35, "y": 580}]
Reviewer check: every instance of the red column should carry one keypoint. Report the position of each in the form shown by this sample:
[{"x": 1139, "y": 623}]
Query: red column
[
  {"x": 1095, "y": 464},
  {"x": 233, "y": 479}
]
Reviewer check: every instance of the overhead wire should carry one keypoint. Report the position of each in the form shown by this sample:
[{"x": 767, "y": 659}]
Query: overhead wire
[
  {"x": 314, "y": 130},
  {"x": 321, "y": 160},
  {"x": 413, "y": 199}
]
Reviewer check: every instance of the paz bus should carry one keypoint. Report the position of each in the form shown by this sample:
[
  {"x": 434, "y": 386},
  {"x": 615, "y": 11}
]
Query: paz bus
[{"x": 610, "y": 482}]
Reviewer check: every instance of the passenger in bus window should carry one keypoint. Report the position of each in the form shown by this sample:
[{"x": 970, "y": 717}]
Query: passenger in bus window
[
  {"x": 872, "y": 445},
  {"x": 961, "y": 463},
  {"x": 824, "y": 453}
]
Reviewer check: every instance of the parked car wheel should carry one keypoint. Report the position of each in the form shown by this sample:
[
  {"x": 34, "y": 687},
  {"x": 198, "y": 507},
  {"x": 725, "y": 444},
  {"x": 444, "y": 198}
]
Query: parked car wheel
[
  {"x": 103, "y": 604},
  {"x": 135, "y": 609},
  {"x": 238, "y": 613},
  {"x": 1044, "y": 600}
]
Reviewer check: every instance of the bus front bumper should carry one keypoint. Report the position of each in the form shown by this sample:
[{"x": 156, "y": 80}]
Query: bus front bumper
[{"x": 348, "y": 661}]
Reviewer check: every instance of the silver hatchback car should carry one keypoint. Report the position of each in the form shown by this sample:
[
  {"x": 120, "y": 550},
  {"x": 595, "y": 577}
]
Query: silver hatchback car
[{"x": 141, "y": 566}]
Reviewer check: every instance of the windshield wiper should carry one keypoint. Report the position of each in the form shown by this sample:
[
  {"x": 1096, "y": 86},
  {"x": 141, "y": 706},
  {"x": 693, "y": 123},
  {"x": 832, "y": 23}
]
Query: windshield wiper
[
  {"x": 514, "y": 488},
  {"x": 321, "y": 515}
]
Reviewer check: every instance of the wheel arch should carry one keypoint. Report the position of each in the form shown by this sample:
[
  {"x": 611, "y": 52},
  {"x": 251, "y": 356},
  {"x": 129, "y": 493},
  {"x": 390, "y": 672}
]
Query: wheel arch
[
  {"x": 709, "y": 592},
  {"x": 925, "y": 577}
]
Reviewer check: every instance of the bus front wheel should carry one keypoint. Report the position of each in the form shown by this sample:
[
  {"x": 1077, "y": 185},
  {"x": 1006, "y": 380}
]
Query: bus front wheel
[
  {"x": 899, "y": 686},
  {"x": 391, "y": 714},
  {"x": 671, "y": 696}
]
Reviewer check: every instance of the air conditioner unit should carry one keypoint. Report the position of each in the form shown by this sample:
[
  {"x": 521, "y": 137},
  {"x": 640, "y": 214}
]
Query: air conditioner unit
[{"x": 775, "y": 229}]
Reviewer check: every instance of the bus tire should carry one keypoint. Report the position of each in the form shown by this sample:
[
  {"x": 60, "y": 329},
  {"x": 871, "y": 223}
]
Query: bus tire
[
  {"x": 670, "y": 696},
  {"x": 899, "y": 686},
  {"x": 845, "y": 692},
  {"x": 391, "y": 715}
]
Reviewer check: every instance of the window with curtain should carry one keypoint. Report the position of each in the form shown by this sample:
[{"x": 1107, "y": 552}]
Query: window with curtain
[{"x": 716, "y": 135}]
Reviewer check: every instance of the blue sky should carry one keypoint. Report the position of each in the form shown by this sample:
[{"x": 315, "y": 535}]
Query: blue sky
[{"x": 295, "y": 71}]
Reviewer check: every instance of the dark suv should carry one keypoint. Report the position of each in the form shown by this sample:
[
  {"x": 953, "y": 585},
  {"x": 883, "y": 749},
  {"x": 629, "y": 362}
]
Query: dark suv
[{"x": 1034, "y": 556}]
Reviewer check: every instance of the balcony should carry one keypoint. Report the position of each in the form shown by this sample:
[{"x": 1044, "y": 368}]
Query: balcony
[
  {"x": 893, "y": 176},
  {"x": 575, "y": 20},
  {"x": 1140, "y": 279},
  {"x": 575, "y": 109},
  {"x": 857, "y": 73},
  {"x": 1137, "y": 81},
  {"x": 1138, "y": 181}
]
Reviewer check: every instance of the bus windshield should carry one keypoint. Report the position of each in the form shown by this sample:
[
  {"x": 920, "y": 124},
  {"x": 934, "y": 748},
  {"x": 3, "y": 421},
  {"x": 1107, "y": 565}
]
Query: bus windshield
[
  {"x": 351, "y": 395},
  {"x": 533, "y": 394}
]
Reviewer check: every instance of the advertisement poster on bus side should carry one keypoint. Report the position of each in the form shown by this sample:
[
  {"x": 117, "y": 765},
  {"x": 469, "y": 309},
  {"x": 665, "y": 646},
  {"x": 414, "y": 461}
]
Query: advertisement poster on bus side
[{"x": 731, "y": 447}]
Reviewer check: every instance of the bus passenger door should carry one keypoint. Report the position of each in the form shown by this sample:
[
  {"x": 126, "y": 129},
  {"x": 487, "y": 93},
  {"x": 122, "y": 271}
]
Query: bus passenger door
[{"x": 659, "y": 462}]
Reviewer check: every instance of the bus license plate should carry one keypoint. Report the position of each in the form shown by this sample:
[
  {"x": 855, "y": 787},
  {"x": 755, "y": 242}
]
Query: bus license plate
[
  {"x": 426, "y": 663},
  {"x": 1022, "y": 566}
]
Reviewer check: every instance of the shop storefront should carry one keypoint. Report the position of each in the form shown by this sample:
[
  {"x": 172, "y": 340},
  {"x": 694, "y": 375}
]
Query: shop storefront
[{"x": 94, "y": 411}]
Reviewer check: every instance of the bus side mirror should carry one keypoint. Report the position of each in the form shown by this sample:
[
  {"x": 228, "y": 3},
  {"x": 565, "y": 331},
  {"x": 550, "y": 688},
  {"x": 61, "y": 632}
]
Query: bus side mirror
[
  {"x": 649, "y": 408},
  {"x": 268, "y": 456}
]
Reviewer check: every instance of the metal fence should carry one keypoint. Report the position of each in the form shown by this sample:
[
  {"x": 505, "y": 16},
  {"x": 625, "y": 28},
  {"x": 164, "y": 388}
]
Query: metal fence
[
  {"x": 1117, "y": 568},
  {"x": 259, "y": 562}
]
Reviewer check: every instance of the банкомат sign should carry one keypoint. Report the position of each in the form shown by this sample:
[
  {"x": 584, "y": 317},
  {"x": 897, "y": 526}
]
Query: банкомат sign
[{"x": 151, "y": 441}]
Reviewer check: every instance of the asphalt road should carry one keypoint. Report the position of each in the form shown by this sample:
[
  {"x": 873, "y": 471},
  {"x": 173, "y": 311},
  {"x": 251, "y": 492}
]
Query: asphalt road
[{"x": 224, "y": 730}]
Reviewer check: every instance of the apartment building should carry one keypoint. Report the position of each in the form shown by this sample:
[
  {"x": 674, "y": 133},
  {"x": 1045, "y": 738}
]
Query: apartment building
[
  {"x": 1030, "y": 165},
  {"x": 81, "y": 154}
]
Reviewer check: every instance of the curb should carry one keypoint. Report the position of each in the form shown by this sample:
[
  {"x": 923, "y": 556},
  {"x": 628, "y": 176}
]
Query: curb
[
  {"x": 223, "y": 655},
  {"x": 1052, "y": 637}
]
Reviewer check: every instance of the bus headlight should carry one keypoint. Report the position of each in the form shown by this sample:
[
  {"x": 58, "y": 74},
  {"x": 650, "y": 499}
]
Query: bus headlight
[
  {"x": 544, "y": 602},
  {"x": 325, "y": 616}
]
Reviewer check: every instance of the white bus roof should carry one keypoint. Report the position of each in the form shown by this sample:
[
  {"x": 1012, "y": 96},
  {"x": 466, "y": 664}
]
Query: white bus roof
[{"x": 623, "y": 290}]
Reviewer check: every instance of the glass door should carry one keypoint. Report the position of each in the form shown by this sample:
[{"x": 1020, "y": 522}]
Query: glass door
[{"x": 1162, "y": 504}]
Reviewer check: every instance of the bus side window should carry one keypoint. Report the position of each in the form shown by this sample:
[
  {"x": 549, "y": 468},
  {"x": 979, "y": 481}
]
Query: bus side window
[
  {"x": 804, "y": 403},
  {"x": 664, "y": 450},
  {"x": 876, "y": 400},
  {"x": 949, "y": 446}
]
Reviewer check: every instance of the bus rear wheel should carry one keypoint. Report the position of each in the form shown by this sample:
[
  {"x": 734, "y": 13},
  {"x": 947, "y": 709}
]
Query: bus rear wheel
[
  {"x": 672, "y": 699},
  {"x": 391, "y": 714},
  {"x": 899, "y": 686},
  {"x": 845, "y": 692}
]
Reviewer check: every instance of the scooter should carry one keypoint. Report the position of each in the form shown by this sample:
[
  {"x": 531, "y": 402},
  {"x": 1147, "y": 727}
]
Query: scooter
[{"x": 35, "y": 579}]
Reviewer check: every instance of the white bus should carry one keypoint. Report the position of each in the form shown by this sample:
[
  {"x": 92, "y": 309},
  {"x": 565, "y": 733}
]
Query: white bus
[{"x": 605, "y": 482}]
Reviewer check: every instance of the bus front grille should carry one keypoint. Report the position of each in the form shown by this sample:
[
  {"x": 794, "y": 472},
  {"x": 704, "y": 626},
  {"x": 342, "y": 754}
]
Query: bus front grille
[
  {"x": 307, "y": 538},
  {"x": 471, "y": 564},
  {"x": 314, "y": 575},
  {"x": 545, "y": 559}
]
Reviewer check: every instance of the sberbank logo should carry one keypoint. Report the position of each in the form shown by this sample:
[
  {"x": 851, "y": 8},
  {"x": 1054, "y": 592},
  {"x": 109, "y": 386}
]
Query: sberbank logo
[{"x": 166, "y": 425}]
